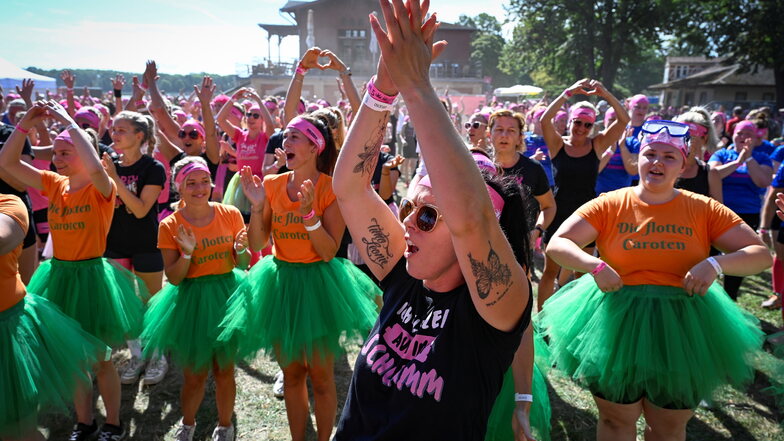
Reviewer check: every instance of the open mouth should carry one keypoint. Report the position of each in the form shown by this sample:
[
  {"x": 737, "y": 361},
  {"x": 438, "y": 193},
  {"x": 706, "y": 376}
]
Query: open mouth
[
  {"x": 410, "y": 248},
  {"x": 289, "y": 156}
]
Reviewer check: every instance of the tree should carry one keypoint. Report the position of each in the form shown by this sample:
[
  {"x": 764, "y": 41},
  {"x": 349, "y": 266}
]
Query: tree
[
  {"x": 573, "y": 39},
  {"x": 486, "y": 45}
]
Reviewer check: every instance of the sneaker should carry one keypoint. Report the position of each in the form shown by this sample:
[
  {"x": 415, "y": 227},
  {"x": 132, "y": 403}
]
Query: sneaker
[
  {"x": 277, "y": 388},
  {"x": 773, "y": 302},
  {"x": 223, "y": 433},
  {"x": 83, "y": 432},
  {"x": 110, "y": 432},
  {"x": 132, "y": 371},
  {"x": 155, "y": 371},
  {"x": 184, "y": 432}
]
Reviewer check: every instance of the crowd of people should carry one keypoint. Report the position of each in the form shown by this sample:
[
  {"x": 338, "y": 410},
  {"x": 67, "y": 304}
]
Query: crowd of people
[{"x": 211, "y": 229}]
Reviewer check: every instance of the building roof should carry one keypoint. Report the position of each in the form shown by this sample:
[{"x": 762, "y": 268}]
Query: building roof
[
  {"x": 721, "y": 75},
  {"x": 293, "y": 5},
  {"x": 276, "y": 29},
  {"x": 694, "y": 60}
]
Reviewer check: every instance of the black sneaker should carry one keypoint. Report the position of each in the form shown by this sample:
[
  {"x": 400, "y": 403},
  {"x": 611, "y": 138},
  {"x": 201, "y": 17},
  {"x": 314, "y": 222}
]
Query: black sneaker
[
  {"x": 110, "y": 432},
  {"x": 83, "y": 432}
]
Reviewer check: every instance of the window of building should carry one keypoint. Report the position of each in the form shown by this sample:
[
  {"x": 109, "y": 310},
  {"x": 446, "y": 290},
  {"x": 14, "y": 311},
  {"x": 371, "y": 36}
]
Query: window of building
[
  {"x": 768, "y": 96},
  {"x": 688, "y": 99},
  {"x": 703, "y": 98},
  {"x": 353, "y": 46},
  {"x": 741, "y": 96}
]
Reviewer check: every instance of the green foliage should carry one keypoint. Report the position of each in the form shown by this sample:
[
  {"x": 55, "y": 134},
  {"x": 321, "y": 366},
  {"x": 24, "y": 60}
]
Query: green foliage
[
  {"x": 170, "y": 84},
  {"x": 487, "y": 45}
]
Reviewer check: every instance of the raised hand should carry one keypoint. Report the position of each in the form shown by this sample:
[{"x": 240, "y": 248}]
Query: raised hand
[
  {"x": 108, "y": 165},
  {"x": 582, "y": 87},
  {"x": 58, "y": 112},
  {"x": 241, "y": 241},
  {"x": 206, "y": 90},
  {"x": 310, "y": 59},
  {"x": 251, "y": 186},
  {"x": 539, "y": 155},
  {"x": 306, "y": 195},
  {"x": 68, "y": 78},
  {"x": 185, "y": 239},
  {"x": 118, "y": 82},
  {"x": 26, "y": 92},
  {"x": 394, "y": 162},
  {"x": 335, "y": 63},
  {"x": 280, "y": 157},
  {"x": 138, "y": 91},
  {"x": 150, "y": 74},
  {"x": 35, "y": 115}
]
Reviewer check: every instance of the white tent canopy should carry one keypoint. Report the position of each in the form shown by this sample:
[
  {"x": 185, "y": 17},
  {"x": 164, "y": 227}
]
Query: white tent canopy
[
  {"x": 12, "y": 76},
  {"x": 517, "y": 90}
]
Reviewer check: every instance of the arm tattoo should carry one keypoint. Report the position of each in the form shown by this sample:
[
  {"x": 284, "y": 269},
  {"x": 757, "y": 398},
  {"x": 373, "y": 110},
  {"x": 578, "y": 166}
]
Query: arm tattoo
[
  {"x": 377, "y": 245},
  {"x": 491, "y": 274},
  {"x": 369, "y": 155}
]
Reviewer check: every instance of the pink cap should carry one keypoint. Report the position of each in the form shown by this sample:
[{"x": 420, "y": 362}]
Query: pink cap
[
  {"x": 560, "y": 115},
  {"x": 192, "y": 124},
  {"x": 309, "y": 130},
  {"x": 484, "y": 163},
  {"x": 745, "y": 125},
  {"x": 220, "y": 100},
  {"x": 608, "y": 115},
  {"x": 638, "y": 99},
  {"x": 538, "y": 113},
  {"x": 583, "y": 114},
  {"x": 271, "y": 106},
  {"x": 77, "y": 104},
  {"x": 89, "y": 116},
  {"x": 236, "y": 112},
  {"x": 255, "y": 107}
]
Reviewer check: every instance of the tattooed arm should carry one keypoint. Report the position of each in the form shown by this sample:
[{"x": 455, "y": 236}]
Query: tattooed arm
[{"x": 374, "y": 229}]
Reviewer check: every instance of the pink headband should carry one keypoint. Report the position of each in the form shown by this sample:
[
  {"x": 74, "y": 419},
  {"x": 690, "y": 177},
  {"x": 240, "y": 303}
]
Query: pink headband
[
  {"x": 484, "y": 163},
  {"x": 762, "y": 133},
  {"x": 638, "y": 99},
  {"x": 495, "y": 198},
  {"x": 188, "y": 169},
  {"x": 91, "y": 117},
  {"x": 610, "y": 114},
  {"x": 583, "y": 114},
  {"x": 193, "y": 124},
  {"x": 560, "y": 115},
  {"x": 253, "y": 107},
  {"x": 65, "y": 137},
  {"x": 745, "y": 125},
  {"x": 220, "y": 100},
  {"x": 310, "y": 131},
  {"x": 663, "y": 137},
  {"x": 538, "y": 114},
  {"x": 270, "y": 105},
  {"x": 696, "y": 129}
]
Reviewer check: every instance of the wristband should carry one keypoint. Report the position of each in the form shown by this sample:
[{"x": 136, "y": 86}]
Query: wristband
[
  {"x": 761, "y": 230},
  {"x": 376, "y": 105},
  {"x": 72, "y": 126},
  {"x": 377, "y": 94},
  {"x": 69, "y": 89},
  {"x": 568, "y": 93},
  {"x": 301, "y": 70},
  {"x": 346, "y": 72},
  {"x": 524, "y": 397},
  {"x": 309, "y": 215},
  {"x": 18, "y": 127},
  {"x": 716, "y": 266},
  {"x": 313, "y": 227},
  {"x": 118, "y": 93},
  {"x": 599, "y": 268},
  {"x": 186, "y": 256},
  {"x": 139, "y": 103},
  {"x": 244, "y": 250}
]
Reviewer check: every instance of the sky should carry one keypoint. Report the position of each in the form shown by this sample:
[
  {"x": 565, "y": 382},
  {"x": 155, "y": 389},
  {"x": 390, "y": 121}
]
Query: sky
[{"x": 182, "y": 36}]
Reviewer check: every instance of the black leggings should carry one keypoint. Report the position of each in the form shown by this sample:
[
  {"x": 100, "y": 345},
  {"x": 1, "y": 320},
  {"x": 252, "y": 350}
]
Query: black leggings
[{"x": 732, "y": 283}]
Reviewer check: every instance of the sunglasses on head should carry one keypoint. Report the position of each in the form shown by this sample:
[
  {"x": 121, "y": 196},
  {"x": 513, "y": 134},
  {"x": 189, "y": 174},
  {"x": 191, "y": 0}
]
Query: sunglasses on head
[
  {"x": 473, "y": 125},
  {"x": 193, "y": 134},
  {"x": 254, "y": 115},
  {"x": 578, "y": 123},
  {"x": 425, "y": 218}
]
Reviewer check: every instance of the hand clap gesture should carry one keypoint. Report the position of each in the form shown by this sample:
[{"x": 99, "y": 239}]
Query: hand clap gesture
[
  {"x": 306, "y": 194},
  {"x": 185, "y": 239},
  {"x": 251, "y": 186}
]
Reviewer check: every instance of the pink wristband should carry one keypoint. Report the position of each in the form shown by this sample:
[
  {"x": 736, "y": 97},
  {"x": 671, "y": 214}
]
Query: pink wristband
[
  {"x": 377, "y": 94},
  {"x": 18, "y": 127},
  {"x": 568, "y": 93},
  {"x": 139, "y": 103},
  {"x": 301, "y": 70},
  {"x": 309, "y": 215},
  {"x": 599, "y": 268}
]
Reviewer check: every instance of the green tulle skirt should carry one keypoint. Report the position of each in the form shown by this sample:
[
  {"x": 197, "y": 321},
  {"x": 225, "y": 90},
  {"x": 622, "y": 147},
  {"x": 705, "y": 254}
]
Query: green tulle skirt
[
  {"x": 299, "y": 311},
  {"x": 499, "y": 423},
  {"x": 44, "y": 356},
  {"x": 105, "y": 298},
  {"x": 234, "y": 196},
  {"x": 183, "y": 321},
  {"x": 650, "y": 341}
]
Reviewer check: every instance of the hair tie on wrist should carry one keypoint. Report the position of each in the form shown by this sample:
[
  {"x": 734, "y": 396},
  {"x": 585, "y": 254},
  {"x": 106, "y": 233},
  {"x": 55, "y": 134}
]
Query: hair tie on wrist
[
  {"x": 301, "y": 70},
  {"x": 18, "y": 127},
  {"x": 309, "y": 215}
]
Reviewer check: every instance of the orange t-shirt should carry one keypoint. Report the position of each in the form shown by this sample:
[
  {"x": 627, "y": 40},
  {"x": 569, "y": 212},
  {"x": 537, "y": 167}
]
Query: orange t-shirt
[
  {"x": 291, "y": 242},
  {"x": 656, "y": 244},
  {"x": 12, "y": 290},
  {"x": 214, "y": 242},
  {"x": 78, "y": 221}
]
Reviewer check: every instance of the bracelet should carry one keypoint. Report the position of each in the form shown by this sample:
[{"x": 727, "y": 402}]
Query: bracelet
[
  {"x": 244, "y": 250},
  {"x": 314, "y": 227},
  {"x": 69, "y": 89},
  {"x": 73, "y": 125},
  {"x": 309, "y": 215},
  {"x": 761, "y": 230},
  {"x": 375, "y": 104},
  {"x": 568, "y": 93},
  {"x": 301, "y": 70},
  {"x": 716, "y": 266},
  {"x": 118, "y": 93},
  {"x": 186, "y": 256},
  {"x": 599, "y": 268},
  {"x": 524, "y": 397},
  {"x": 139, "y": 103},
  {"x": 18, "y": 127},
  {"x": 377, "y": 94},
  {"x": 346, "y": 72}
]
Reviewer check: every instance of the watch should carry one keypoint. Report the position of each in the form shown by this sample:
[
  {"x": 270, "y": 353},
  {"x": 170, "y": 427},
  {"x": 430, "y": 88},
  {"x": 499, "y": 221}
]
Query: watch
[{"x": 346, "y": 72}]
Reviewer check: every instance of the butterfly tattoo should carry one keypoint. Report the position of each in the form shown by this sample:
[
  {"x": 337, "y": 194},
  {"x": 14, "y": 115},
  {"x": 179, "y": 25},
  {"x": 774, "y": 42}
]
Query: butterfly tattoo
[{"x": 490, "y": 274}]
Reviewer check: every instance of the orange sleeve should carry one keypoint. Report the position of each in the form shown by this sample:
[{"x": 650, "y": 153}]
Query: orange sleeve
[
  {"x": 166, "y": 234},
  {"x": 720, "y": 219},
  {"x": 326, "y": 196},
  {"x": 51, "y": 183},
  {"x": 270, "y": 184},
  {"x": 14, "y": 208},
  {"x": 595, "y": 212}
]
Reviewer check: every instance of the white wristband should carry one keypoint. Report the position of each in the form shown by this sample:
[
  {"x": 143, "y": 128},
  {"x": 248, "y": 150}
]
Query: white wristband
[
  {"x": 715, "y": 264},
  {"x": 187, "y": 256},
  {"x": 73, "y": 126},
  {"x": 376, "y": 104},
  {"x": 244, "y": 250},
  {"x": 524, "y": 397},
  {"x": 314, "y": 227}
]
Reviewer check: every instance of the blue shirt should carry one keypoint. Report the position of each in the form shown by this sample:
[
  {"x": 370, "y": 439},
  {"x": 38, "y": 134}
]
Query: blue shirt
[
  {"x": 633, "y": 144},
  {"x": 778, "y": 180},
  {"x": 614, "y": 175},
  {"x": 534, "y": 142},
  {"x": 741, "y": 195},
  {"x": 778, "y": 154}
]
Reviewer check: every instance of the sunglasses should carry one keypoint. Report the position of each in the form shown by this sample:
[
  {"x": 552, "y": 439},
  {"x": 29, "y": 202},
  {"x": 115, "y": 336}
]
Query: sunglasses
[
  {"x": 254, "y": 115},
  {"x": 86, "y": 126},
  {"x": 474, "y": 125},
  {"x": 193, "y": 134},
  {"x": 578, "y": 123},
  {"x": 674, "y": 129},
  {"x": 426, "y": 216}
]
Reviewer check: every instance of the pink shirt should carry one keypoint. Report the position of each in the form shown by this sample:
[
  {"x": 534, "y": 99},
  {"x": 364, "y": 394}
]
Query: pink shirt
[{"x": 250, "y": 152}]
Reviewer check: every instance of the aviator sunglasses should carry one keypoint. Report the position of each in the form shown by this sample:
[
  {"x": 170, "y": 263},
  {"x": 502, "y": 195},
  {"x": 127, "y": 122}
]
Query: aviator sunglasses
[
  {"x": 193, "y": 134},
  {"x": 426, "y": 216}
]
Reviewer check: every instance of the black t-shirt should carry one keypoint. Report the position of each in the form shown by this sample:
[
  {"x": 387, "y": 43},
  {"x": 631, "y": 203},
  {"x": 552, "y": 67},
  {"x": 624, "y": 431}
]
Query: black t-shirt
[
  {"x": 375, "y": 181},
  {"x": 530, "y": 173},
  {"x": 699, "y": 183},
  {"x": 5, "y": 132},
  {"x": 430, "y": 369},
  {"x": 276, "y": 142},
  {"x": 129, "y": 235}
]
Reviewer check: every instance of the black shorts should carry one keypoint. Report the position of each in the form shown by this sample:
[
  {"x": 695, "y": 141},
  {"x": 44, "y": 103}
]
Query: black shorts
[
  {"x": 40, "y": 218},
  {"x": 151, "y": 262},
  {"x": 664, "y": 403}
]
